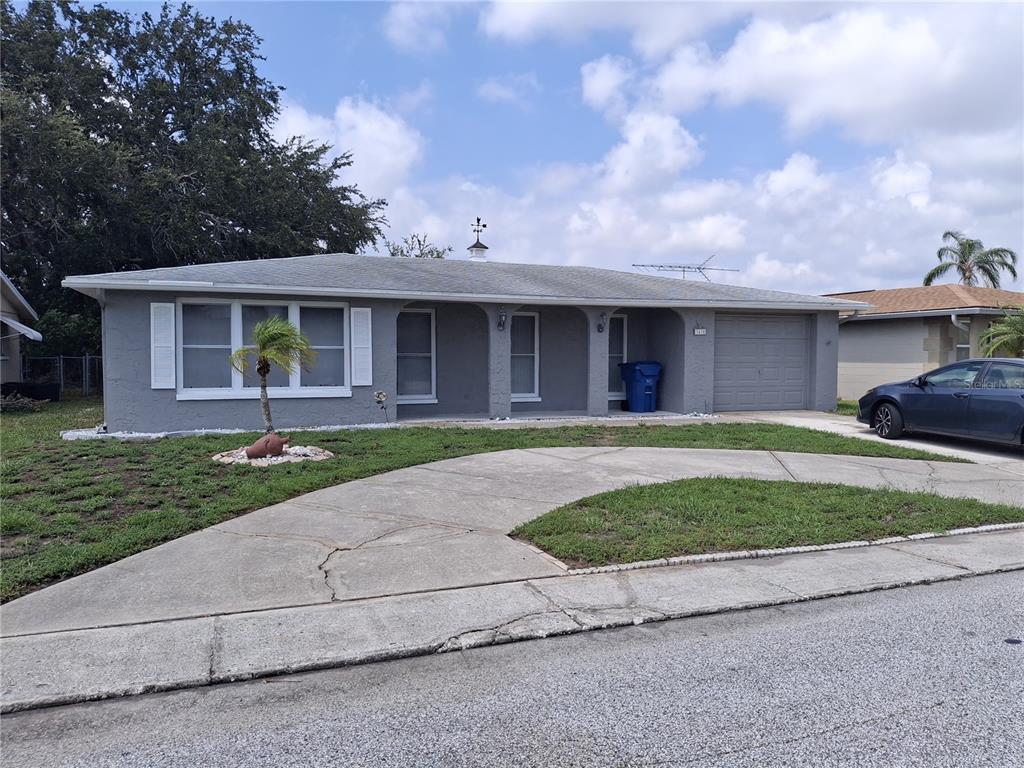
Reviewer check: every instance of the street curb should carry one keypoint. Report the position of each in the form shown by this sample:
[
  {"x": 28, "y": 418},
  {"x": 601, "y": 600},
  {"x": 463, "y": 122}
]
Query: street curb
[{"x": 753, "y": 554}]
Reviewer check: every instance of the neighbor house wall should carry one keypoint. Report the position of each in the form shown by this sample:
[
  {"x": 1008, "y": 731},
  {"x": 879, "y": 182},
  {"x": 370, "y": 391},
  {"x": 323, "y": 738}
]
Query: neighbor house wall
[
  {"x": 873, "y": 352},
  {"x": 10, "y": 365},
  {"x": 564, "y": 361},
  {"x": 132, "y": 405},
  {"x": 461, "y": 339}
]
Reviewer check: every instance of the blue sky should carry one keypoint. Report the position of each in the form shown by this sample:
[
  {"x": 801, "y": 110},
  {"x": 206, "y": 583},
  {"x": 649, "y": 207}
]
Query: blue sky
[{"x": 815, "y": 146}]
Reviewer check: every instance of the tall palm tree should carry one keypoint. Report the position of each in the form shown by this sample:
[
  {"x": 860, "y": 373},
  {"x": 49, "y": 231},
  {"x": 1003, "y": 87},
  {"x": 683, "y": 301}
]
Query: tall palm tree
[
  {"x": 275, "y": 342},
  {"x": 1005, "y": 335},
  {"x": 972, "y": 261}
]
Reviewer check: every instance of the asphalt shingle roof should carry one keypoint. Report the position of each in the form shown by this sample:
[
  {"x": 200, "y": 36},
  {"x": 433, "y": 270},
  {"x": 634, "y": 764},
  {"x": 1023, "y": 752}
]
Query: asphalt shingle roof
[
  {"x": 342, "y": 274},
  {"x": 932, "y": 297}
]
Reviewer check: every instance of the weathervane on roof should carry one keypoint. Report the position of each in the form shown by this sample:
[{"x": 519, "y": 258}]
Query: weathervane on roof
[
  {"x": 701, "y": 269},
  {"x": 478, "y": 251}
]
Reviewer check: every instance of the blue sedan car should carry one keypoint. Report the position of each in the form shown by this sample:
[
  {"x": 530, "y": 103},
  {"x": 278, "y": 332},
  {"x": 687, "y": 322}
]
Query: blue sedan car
[{"x": 976, "y": 399}]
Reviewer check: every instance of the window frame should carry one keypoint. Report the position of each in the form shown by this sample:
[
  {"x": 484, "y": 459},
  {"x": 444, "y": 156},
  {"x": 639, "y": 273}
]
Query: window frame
[
  {"x": 981, "y": 365},
  {"x": 427, "y": 399},
  {"x": 534, "y": 396},
  {"x": 965, "y": 346},
  {"x": 237, "y": 391},
  {"x": 619, "y": 394}
]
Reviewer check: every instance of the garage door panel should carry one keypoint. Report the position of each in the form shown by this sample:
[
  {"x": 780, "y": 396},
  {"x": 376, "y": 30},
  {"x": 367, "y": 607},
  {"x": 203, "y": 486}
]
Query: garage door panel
[{"x": 762, "y": 362}]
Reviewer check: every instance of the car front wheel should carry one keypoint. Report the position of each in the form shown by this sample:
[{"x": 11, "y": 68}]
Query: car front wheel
[{"x": 888, "y": 421}]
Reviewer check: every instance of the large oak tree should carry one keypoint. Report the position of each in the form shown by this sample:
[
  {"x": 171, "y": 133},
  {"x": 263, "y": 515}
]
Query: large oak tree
[{"x": 137, "y": 141}]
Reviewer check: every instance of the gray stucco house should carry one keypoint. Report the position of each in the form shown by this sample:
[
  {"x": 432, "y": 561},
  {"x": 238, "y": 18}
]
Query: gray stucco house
[{"x": 446, "y": 337}]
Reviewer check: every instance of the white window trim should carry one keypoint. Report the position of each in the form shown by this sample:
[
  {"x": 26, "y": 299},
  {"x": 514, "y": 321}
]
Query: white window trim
[
  {"x": 534, "y": 396},
  {"x": 238, "y": 392},
  {"x": 429, "y": 399},
  {"x": 621, "y": 395}
]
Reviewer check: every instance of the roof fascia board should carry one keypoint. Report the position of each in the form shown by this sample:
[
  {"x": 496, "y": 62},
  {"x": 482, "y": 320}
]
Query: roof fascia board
[
  {"x": 85, "y": 285},
  {"x": 927, "y": 313}
]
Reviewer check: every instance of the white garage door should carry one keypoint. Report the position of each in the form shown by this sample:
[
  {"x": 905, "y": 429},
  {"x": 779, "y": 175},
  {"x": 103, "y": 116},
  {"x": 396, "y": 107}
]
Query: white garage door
[{"x": 761, "y": 362}]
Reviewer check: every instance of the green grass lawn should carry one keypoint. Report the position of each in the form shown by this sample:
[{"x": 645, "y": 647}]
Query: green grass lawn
[
  {"x": 69, "y": 507},
  {"x": 847, "y": 408},
  {"x": 719, "y": 515}
]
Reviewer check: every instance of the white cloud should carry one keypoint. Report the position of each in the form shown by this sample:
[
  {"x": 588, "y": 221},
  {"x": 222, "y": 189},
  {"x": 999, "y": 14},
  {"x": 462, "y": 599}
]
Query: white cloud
[
  {"x": 793, "y": 187},
  {"x": 603, "y": 81},
  {"x": 384, "y": 147},
  {"x": 515, "y": 89},
  {"x": 418, "y": 27},
  {"x": 876, "y": 73},
  {"x": 654, "y": 149},
  {"x": 414, "y": 99},
  {"x": 654, "y": 27},
  {"x": 898, "y": 178},
  {"x": 700, "y": 197}
]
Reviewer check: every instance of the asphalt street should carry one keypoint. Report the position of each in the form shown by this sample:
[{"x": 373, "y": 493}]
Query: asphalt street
[{"x": 920, "y": 676}]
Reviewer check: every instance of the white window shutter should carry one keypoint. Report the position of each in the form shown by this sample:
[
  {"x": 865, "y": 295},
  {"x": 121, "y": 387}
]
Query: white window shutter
[
  {"x": 161, "y": 346},
  {"x": 362, "y": 347}
]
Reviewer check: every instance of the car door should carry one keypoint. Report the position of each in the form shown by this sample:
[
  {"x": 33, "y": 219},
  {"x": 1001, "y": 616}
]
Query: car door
[
  {"x": 997, "y": 405},
  {"x": 941, "y": 403}
]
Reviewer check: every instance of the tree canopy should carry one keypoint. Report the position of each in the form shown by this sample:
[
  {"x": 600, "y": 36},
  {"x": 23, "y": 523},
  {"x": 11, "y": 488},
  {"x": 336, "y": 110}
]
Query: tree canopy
[
  {"x": 139, "y": 141},
  {"x": 972, "y": 261}
]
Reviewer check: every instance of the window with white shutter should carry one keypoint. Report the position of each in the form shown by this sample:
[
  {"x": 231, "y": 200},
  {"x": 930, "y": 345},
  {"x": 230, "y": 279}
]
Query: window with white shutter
[
  {"x": 362, "y": 347},
  {"x": 162, "y": 354}
]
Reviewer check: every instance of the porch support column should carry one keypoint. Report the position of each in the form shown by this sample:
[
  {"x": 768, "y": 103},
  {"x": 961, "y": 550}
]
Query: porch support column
[
  {"x": 597, "y": 360},
  {"x": 499, "y": 360}
]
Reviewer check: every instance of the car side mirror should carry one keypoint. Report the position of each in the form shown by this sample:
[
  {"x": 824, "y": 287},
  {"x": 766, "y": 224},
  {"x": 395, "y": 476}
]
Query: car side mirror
[{"x": 920, "y": 381}]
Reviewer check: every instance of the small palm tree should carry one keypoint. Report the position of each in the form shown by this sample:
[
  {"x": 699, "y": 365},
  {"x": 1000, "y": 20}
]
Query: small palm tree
[
  {"x": 1005, "y": 335},
  {"x": 973, "y": 262},
  {"x": 275, "y": 342}
]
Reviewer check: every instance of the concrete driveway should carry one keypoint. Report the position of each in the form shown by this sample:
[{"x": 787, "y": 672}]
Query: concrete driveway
[
  {"x": 433, "y": 527},
  {"x": 417, "y": 561},
  {"x": 981, "y": 453}
]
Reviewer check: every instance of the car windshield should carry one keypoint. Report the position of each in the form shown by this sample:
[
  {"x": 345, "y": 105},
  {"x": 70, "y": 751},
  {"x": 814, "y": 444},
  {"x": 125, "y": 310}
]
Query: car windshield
[{"x": 955, "y": 376}]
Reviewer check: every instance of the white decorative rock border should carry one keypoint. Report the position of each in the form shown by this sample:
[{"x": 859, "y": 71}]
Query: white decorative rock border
[{"x": 291, "y": 455}]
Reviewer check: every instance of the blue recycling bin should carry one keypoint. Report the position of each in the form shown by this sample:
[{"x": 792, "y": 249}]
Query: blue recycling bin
[{"x": 641, "y": 380}]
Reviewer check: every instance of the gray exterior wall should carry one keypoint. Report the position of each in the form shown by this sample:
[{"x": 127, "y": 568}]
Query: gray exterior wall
[
  {"x": 130, "y": 404},
  {"x": 473, "y": 367},
  {"x": 461, "y": 335},
  {"x": 824, "y": 361},
  {"x": 564, "y": 359}
]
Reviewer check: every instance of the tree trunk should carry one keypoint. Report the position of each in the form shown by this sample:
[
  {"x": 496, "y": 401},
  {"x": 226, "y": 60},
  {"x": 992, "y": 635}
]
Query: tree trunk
[{"x": 265, "y": 402}]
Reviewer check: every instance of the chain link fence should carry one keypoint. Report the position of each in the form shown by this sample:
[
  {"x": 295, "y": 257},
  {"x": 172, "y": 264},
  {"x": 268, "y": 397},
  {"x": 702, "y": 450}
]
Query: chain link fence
[{"x": 72, "y": 375}]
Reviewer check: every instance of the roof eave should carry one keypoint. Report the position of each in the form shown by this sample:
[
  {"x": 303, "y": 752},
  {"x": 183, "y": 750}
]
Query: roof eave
[
  {"x": 19, "y": 299},
  {"x": 94, "y": 288},
  {"x": 927, "y": 313}
]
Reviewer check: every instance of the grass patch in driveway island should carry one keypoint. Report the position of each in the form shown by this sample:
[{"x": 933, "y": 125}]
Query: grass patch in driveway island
[
  {"x": 69, "y": 507},
  {"x": 689, "y": 517}
]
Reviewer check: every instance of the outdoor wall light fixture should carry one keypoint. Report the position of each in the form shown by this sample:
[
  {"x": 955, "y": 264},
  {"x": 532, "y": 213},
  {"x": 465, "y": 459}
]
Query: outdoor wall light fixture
[
  {"x": 502, "y": 317},
  {"x": 602, "y": 321}
]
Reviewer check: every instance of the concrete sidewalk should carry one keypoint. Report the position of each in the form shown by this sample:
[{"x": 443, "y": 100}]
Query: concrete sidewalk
[
  {"x": 81, "y": 665},
  {"x": 418, "y": 560}
]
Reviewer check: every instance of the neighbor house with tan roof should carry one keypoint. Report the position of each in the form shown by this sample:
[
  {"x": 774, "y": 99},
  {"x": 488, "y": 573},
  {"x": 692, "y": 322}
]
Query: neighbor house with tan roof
[{"x": 908, "y": 331}]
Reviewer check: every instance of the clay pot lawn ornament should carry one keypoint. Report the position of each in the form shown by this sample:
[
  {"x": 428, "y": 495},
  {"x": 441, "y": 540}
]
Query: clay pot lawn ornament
[{"x": 268, "y": 445}]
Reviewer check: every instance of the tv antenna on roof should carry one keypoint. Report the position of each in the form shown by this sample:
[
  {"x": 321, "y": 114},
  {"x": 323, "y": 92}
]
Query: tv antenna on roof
[{"x": 701, "y": 269}]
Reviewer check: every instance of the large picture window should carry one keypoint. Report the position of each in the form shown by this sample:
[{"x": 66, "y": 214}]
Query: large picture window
[
  {"x": 417, "y": 373},
  {"x": 525, "y": 356},
  {"x": 206, "y": 346},
  {"x": 209, "y": 331},
  {"x": 616, "y": 355}
]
